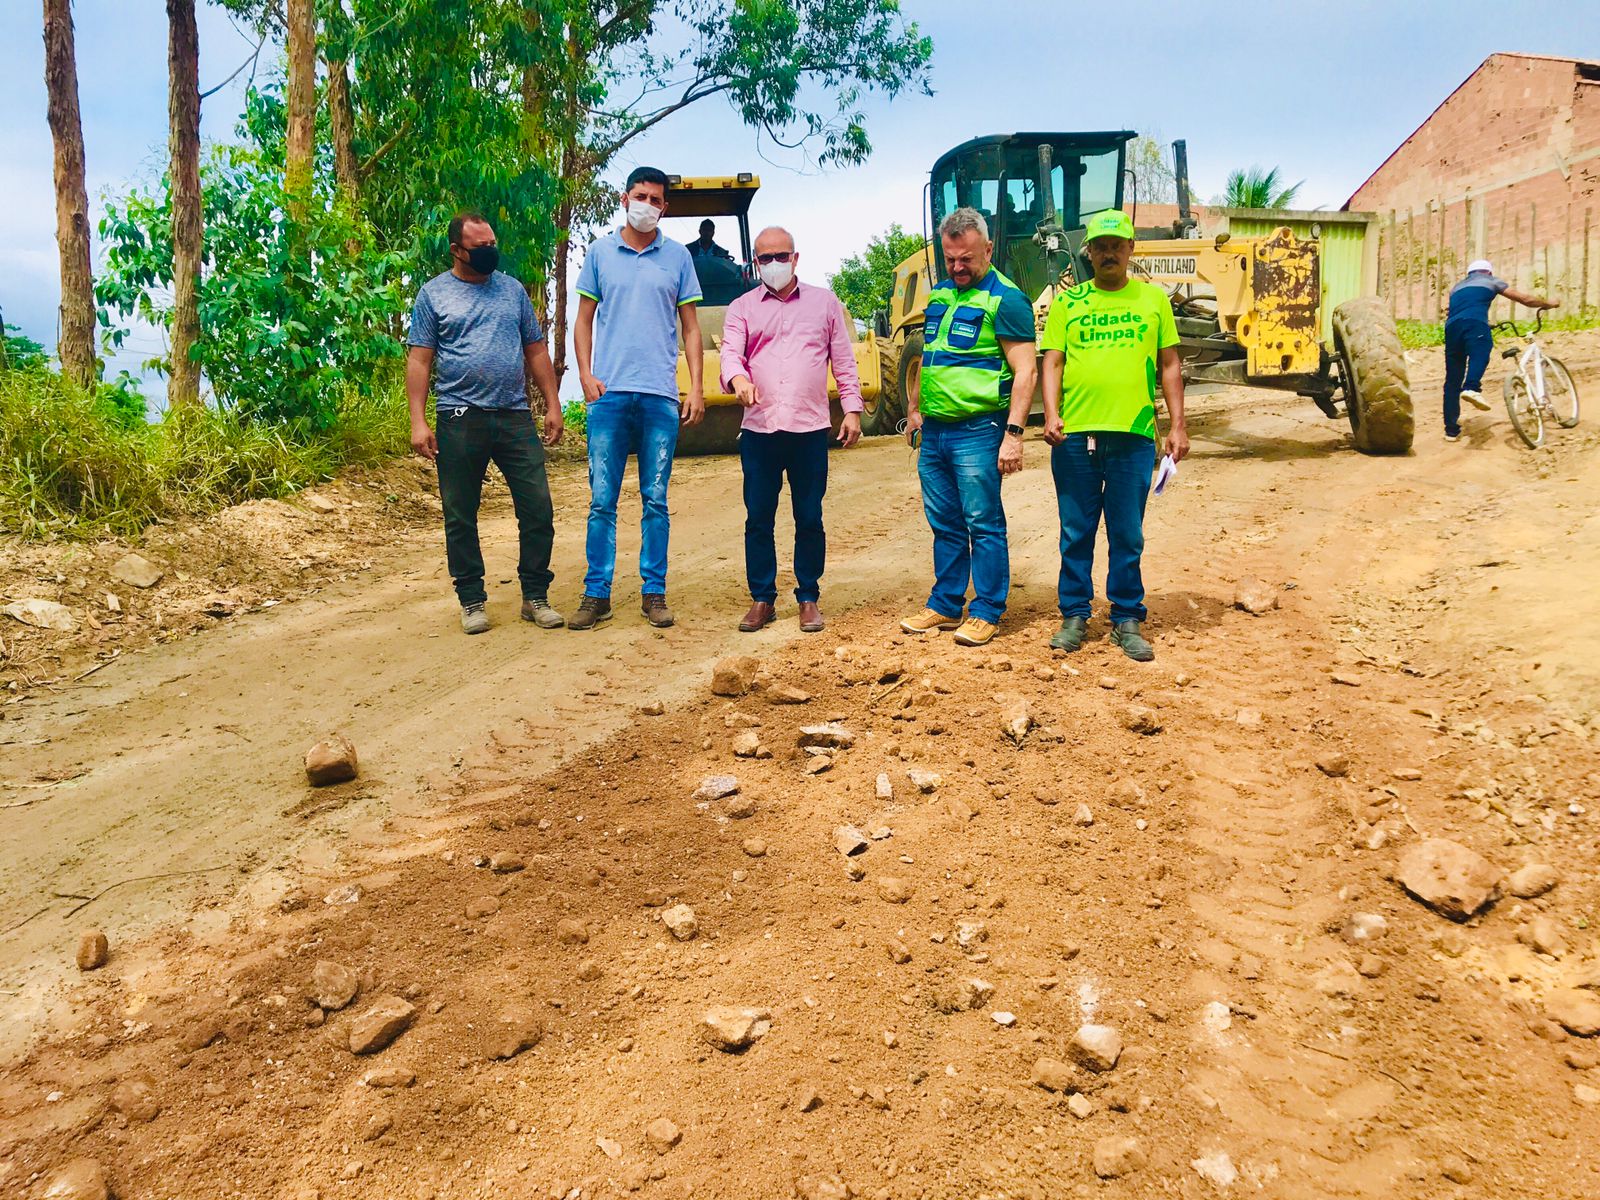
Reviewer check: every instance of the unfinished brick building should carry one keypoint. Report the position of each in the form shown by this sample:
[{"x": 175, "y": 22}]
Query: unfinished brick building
[{"x": 1506, "y": 168}]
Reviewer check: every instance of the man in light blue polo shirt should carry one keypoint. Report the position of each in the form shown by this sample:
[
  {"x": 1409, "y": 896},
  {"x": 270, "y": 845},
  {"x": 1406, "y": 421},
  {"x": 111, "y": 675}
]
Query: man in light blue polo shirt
[{"x": 637, "y": 288}]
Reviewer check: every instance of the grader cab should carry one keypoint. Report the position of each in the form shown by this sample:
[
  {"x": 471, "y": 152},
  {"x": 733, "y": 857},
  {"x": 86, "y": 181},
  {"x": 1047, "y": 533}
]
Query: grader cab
[{"x": 1248, "y": 309}]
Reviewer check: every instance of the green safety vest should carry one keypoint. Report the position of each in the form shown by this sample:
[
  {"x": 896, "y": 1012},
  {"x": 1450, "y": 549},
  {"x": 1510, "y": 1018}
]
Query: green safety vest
[{"x": 964, "y": 370}]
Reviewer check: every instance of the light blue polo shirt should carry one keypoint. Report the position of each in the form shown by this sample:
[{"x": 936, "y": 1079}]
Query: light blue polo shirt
[{"x": 638, "y": 293}]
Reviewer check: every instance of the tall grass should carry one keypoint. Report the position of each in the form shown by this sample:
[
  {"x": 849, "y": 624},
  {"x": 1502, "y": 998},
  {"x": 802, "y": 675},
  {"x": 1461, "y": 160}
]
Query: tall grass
[
  {"x": 72, "y": 465},
  {"x": 1418, "y": 335}
]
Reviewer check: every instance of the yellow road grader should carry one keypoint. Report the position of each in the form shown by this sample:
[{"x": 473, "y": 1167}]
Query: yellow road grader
[{"x": 1248, "y": 309}]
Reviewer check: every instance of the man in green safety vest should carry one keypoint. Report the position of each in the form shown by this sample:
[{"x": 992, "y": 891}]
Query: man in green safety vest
[{"x": 968, "y": 408}]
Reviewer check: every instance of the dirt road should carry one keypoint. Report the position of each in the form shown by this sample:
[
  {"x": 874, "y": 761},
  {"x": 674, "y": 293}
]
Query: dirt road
[{"x": 1193, "y": 888}]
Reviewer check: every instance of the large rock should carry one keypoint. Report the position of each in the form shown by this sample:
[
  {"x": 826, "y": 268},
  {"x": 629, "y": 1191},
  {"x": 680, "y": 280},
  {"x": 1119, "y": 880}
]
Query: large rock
[
  {"x": 1255, "y": 597},
  {"x": 42, "y": 614},
  {"x": 512, "y": 1031},
  {"x": 1576, "y": 1010},
  {"x": 136, "y": 570},
  {"x": 1096, "y": 1047},
  {"x": 831, "y": 735},
  {"x": 332, "y": 760},
  {"x": 1141, "y": 718},
  {"x": 730, "y": 1028},
  {"x": 1449, "y": 878},
  {"x": 93, "y": 950},
  {"x": 1053, "y": 1075},
  {"x": 733, "y": 676},
  {"x": 333, "y": 985},
  {"x": 1535, "y": 879},
  {"x": 1115, "y": 1157},
  {"x": 682, "y": 922},
  {"x": 380, "y": 1025},
  {"x": 80, "y": 1179},
  {"x": 135, "y": 1098}
]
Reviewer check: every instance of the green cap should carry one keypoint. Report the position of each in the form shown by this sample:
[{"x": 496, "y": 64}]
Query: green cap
[{"x": 1110, "y": 222}]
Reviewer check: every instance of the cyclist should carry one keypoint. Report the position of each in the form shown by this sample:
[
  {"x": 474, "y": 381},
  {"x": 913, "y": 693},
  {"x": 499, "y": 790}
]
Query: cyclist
[{"x": 1468, "y": 340}]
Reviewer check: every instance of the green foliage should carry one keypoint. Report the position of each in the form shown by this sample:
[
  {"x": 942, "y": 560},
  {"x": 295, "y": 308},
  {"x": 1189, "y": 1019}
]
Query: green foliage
[
  {"x": 73, "y": 465},
  {"x": 1256, "y": 188},
  {"x": 575, "y": 419},
  {"x": 1418, "y": 335},
  {"x": 865, "y": 281},
  {"x": 1156, "y": 181},
  {"x": 20, "y": 352}
]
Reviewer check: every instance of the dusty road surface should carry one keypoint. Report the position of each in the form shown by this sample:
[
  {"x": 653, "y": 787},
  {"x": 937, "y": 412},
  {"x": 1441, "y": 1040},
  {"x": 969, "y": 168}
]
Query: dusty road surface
[{"x": 1197, "y": 859}]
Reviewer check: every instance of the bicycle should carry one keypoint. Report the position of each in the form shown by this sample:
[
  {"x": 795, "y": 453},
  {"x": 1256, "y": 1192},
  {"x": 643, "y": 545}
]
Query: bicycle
[{"x": 1539, "y": 387}]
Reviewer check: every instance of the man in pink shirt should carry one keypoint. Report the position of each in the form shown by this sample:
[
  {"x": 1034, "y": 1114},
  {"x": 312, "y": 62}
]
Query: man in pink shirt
[{"x": 778, "y": 341}]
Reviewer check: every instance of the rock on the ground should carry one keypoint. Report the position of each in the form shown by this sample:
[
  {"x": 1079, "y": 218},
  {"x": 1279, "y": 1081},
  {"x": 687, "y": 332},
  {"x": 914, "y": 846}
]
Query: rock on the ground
[
  {"x": 731, "y": 1028},
  {"x": 741, "y": 806},
  {"x": 135, "y": 1098},
  {"x": 1141, "y": 718},
  {"x": 513, "y": 1030},
  {"x": 1543, "y": 936},
  {"x": 136, "y": 570},
  {"x": 1255, "y": 596},
  {"x": 506, "y": 864},
  {"x": 333, "y": 985},
  {"x": 822, "y": 1187},
  {"x": 389, "y": 1077},
  {"x": 1364, "y": 927},
  {"x": 733, "y": 676},
  {"x": 1335, "y": 765},
  {"x": 1053, "y": 1075},
  {"x": 1533, "y": 880},
  {"x": 784, "y": 693},
  {"x": 1080, "y": 1106},
  {"x": 848, "y": 840},
  {"x": 1096, "y": 1047},
  {"x": 42, "y": 614},
  {"x": 662, "y": 1135},
  {"x": 1575, "y": 1010},
  {"x": 746, "y": 744},
  {"x": 882, "y": 788},
  {"x": 320, "y": 503},
  {"x": 1016, "y": 717},
  {"x": 1449, "y": 878},
  {"x": 830, "y": 735},
  {"x": 1216, "y": 1167},
  {"x": 1115, "y": 1157},
  {"x": 572, "y": 932},
  {"x": 386, "y": 1020},
  {"x": 923, "y": 781},
  {"x": 93, "y": 950},
  {"x": 681, "y": 922},
  {"x": 332, "y": 760},
  {"x": 80, "y": 1179},
  {"x": 715, "y": 787},
  {"x": 893, "y": 889}
]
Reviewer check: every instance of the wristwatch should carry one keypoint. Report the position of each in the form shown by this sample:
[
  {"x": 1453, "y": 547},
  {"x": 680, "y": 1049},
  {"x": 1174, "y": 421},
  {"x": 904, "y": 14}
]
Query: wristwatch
[{"x": 1015, "y": 430}]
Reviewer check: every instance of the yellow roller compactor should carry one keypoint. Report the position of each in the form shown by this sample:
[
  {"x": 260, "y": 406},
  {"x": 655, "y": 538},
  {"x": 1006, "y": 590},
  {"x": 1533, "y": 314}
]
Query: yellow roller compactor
[
  {"x": 1248, "y": 309},
  {"x": 721, "y": 282}
]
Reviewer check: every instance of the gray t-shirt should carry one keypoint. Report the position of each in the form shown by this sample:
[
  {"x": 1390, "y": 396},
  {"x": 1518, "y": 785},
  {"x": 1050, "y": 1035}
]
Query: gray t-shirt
[{"x": 477, "y": 332}]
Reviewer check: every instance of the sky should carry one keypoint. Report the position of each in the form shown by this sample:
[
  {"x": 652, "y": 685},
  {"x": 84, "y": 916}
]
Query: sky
[{"x": 1322, "y": 90}]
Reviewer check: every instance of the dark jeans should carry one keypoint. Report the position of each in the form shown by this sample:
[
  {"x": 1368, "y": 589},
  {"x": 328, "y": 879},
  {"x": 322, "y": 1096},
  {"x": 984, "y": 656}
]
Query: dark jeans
[
  {"x": 960, "y": 474},
  {"x": 1113, "y": 479},
  {"x": 469, "y": 440},
  {"x": 766, "y": 458},
  {"x": 1467, "y": 345}
]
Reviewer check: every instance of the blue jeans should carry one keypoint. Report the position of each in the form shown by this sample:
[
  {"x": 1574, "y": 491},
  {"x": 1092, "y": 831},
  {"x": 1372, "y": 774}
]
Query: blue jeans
[
  {"x": 766, "y": 458},
  {"x": 620, "y": 424},
  {"x": 1113, "y": 479},
  {"x": 960, "y": 472},
  {"x": 1466, "y": 353}
]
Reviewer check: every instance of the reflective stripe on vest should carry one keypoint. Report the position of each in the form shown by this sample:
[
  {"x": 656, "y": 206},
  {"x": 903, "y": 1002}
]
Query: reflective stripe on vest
[{"x": 964, "y": 370}]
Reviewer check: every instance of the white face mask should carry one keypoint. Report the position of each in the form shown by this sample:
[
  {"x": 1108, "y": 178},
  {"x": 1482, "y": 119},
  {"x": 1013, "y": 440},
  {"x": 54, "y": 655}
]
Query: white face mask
[
  {"x": 776, "y": 275},
  {"x": 643, "y": 215}
]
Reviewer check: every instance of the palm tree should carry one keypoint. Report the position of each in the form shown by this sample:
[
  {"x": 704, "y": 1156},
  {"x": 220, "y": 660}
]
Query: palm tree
[{"x": 1255, "y": 188}]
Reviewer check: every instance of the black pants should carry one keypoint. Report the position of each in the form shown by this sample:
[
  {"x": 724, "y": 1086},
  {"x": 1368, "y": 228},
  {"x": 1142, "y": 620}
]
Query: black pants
[
  {"x": 469, "y": 440},
  {"x": 766, "y": 458}
]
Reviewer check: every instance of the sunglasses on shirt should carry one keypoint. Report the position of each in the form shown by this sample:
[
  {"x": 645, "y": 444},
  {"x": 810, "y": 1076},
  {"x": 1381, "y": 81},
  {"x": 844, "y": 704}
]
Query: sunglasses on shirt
[{"x": 781, "y": 256}]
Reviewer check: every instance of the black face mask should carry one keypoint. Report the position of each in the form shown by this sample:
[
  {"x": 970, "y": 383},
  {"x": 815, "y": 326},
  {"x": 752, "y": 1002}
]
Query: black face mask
[{"x": 483, "y": 259}]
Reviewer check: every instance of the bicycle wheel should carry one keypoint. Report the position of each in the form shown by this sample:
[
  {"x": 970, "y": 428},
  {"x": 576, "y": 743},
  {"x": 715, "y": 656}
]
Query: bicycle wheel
[
  {"x": 1560, "y": 392},
  {"x": 1524, "y": 413}
]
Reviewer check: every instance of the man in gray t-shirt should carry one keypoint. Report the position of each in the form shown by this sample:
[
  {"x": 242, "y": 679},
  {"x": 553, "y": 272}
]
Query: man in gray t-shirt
[{"x": 475, "y": 339}]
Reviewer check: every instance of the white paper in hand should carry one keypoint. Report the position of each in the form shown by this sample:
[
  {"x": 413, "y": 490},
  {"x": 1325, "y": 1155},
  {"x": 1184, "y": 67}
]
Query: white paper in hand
[{"x": 1165, "y": 473}]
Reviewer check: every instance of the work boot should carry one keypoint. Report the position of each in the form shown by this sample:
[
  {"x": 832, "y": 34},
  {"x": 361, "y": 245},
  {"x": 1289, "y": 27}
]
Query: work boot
[
  {"x": 927, "y": 621},
  {"x": 1071, "y": 634},
  {"x": 591, "y": 611},
  {"x": 1126, "y": 634},
  {"x": 974, "y": 632},
  {"x": 537, "y": 609},
  {"x": 474, "y": 619},
  {"x": 1475, "y": 398},
  {"x": 810, "y": 617},
  {"x": 655, "y": 610},
  {"x": 761, "y": 615}
]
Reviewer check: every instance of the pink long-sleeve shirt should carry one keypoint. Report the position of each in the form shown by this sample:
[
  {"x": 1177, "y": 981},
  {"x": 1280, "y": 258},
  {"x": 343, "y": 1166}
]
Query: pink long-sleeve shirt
[{"x": 785, "y": 345}]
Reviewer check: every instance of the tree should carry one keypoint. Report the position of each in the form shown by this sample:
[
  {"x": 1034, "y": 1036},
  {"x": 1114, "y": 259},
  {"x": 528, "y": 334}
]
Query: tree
[
  {"x": 1255, "y": 188},
  {"x": 75, "y": 348},
  {"x": 301, "y": 38},
  {"x": 1154, "y": 179},
  {"x": 865, "y": 281},
  {"x": 183, "y": 111}
]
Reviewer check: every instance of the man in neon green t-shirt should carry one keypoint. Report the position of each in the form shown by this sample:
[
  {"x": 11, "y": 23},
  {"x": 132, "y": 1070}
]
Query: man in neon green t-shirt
[{"x": 1107, "y": 344}]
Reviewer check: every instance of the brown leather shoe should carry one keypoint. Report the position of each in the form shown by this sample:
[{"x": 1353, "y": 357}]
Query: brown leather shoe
[
  {"x": 810, "y": 617},
  {"x": 655, "y": 610},
  {"x": 761, "y": 615}
]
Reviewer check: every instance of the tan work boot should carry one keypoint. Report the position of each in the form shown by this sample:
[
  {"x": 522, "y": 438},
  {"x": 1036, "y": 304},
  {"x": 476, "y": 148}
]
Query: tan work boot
[
  {"x": 537, "y": 609},
  {"x": 974, "y": 632},
  {"x": 927, "y": 621}
]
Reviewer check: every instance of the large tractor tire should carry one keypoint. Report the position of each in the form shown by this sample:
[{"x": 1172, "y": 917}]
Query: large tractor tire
[
  {"x": 908, "y": 371},
  {"x": 882, "y": 415},
  {"x": 1372, "y": 365},
  {"x": 717, "y": 433}
]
